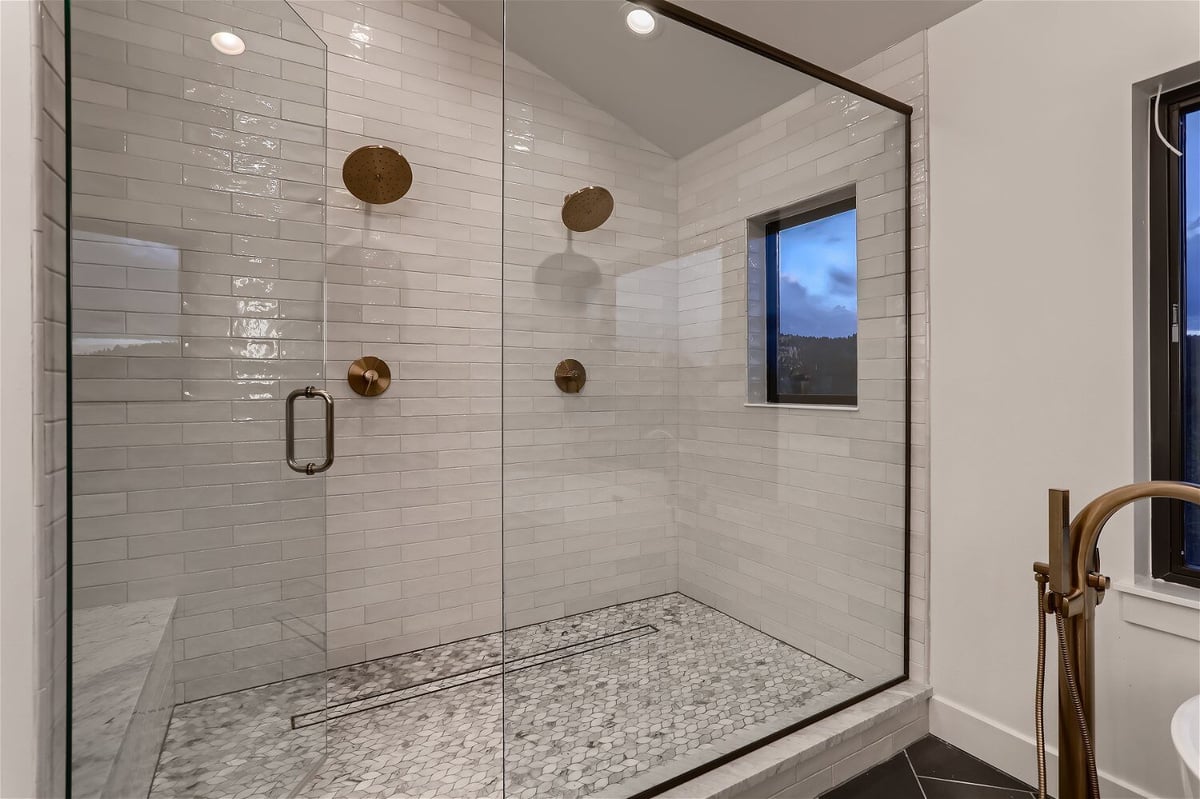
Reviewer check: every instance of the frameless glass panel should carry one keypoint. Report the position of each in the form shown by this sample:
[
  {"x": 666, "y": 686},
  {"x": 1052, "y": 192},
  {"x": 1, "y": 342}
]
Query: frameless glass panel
[
  {"x": 694, "y": 558},
  {"x": 197, "y": 307}
]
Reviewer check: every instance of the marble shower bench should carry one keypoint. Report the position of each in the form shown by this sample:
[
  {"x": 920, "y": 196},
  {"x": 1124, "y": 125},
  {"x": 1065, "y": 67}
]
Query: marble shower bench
[{"x": 123, "y": 671}]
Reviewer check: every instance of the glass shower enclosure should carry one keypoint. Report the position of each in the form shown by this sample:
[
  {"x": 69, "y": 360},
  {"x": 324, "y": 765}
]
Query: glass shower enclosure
[
  {"x": 637, "y": 497},
  {"x": 719, "y": 566}
]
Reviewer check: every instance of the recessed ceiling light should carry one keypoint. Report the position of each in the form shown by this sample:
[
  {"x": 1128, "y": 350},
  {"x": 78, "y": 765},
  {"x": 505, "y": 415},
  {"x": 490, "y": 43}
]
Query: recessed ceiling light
[
  {"x": 228, "y": 42},
  {"x": 641, "y": 21}
]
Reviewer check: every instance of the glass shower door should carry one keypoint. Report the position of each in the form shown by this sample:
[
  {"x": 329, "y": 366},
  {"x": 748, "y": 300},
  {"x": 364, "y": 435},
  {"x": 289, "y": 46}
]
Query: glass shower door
[{"x": 197, "y": 310}]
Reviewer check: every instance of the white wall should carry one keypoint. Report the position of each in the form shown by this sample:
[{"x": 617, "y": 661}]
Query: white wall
[
  {"x": 33, "y": 542},
  {"x": 1033, "y": 361},
  {"x": 17, "y": 666}
]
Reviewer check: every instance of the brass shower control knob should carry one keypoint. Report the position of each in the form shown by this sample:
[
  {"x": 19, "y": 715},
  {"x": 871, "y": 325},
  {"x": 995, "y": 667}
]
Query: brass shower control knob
[
  {"x": 369, "y": 376},
  {"x": 570, "y": 376}
]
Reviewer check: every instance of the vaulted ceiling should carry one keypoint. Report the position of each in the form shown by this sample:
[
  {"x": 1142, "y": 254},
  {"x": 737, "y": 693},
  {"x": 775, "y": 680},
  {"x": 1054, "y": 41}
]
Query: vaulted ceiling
[{"x": 681, "y": 89}]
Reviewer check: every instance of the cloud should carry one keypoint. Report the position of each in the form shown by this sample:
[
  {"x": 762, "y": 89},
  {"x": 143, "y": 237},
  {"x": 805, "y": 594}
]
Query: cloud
[
  {"x": 1192, "y": 273},
  {"x": 802, "y": 314},
  {"x": 843, "y": 282}
]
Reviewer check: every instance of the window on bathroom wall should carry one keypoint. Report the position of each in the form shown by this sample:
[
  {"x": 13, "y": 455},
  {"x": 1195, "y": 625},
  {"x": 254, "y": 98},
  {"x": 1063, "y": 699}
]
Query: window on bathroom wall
[
  {"x": 1175, "y": 331},
  {"x": 811, "y": 277}
]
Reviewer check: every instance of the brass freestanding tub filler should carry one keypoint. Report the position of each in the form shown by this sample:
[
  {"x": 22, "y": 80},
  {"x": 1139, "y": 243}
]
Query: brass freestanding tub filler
[{"x": 1075, "y": 588}]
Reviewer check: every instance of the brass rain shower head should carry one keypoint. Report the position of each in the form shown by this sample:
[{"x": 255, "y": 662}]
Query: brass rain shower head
[
  {"x": 587, "y": 209},
  {"x": 377, "y": 174}
]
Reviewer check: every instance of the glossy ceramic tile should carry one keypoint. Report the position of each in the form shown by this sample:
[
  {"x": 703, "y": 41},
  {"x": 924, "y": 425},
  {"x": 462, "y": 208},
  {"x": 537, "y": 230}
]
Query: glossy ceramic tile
[
  {"x": 199, "y": 271},
  {"x": 222, "y": 258}
]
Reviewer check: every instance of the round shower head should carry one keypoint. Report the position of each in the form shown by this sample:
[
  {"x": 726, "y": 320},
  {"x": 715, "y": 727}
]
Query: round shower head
[
  {"x": 376, "y": 174},
  {"x": 587, "y": 209}
]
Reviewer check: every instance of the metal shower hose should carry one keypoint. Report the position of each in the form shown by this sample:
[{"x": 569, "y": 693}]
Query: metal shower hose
[{"x": 1076, "y": 702}]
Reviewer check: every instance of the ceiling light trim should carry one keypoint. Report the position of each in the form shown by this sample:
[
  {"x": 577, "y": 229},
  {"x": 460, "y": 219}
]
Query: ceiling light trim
[
  {"x": 227, "y": 43},
  {"x": 641, "y": 21}
]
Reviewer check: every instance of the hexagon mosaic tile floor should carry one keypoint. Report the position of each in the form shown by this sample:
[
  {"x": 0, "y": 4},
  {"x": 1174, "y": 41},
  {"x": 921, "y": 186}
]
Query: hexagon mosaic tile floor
[{"x": 592, "y": 701}]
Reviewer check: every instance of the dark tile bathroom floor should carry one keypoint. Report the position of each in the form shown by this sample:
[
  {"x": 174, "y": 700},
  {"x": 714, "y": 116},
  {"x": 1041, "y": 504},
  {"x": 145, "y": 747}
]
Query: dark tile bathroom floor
[{"x": 932, "y": 769}]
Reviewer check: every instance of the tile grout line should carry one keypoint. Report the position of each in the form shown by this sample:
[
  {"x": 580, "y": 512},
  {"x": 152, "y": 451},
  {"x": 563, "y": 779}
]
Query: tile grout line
[
  {"x": 983, "y": 762},
  {"x": 916, "y": 776},
  {"x": 395, "y": 696},
  {"x": 974, "y": 784}
]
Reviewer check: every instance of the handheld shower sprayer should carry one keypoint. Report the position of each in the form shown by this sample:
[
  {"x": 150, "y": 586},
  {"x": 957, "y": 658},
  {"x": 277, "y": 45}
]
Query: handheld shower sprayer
[{"x": 1070, "y": 587}]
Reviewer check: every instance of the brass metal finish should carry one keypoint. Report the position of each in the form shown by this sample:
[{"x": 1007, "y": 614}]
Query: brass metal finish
[
  {"x": 1040, "y": 570},
  {"x": 570, "y": 376},
  {"x": 1075, "y": 589},
  {"x": 369, "y": 376},
  {"x": 377, "y": 174},
  {"x": 1060, "y": 533},
  {"x": 587, "y": 209}
]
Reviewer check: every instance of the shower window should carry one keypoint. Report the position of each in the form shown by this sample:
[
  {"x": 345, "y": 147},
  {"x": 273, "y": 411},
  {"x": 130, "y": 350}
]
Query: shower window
[
  {"x": 812, "y": 306},
  {"x": 1175, "y": 319}
]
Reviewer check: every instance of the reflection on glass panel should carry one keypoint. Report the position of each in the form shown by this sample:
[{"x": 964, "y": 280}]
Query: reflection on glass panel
[
  {"x": 1190, "y": 382},
  {"x": 198, "y": 185}
]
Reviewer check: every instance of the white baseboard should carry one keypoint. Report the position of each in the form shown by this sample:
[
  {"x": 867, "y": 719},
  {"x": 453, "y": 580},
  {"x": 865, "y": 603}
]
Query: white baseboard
[{"x": 1008, "y": 749}]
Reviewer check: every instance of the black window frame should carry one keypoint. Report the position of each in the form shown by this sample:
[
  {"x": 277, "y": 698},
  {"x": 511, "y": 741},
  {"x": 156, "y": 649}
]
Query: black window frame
[
  {"x": 771, "y": 232},
  {"x": 1167, "y": 333}
]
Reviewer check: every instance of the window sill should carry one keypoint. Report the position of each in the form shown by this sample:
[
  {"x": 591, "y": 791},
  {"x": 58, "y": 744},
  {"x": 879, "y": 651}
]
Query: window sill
[
  {"x": 803, "y": 407},
  {"x": 1162, "y": 606}
]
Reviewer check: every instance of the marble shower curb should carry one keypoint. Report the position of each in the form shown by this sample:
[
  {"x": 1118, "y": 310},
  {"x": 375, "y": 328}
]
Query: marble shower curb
[{"x": 823, "y": 754}]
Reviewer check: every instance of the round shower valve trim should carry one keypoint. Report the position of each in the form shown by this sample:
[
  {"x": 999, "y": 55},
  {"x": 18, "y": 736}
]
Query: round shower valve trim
[
  {"x": 369, "y": 376},
  {"x": 570, "y": 376}
]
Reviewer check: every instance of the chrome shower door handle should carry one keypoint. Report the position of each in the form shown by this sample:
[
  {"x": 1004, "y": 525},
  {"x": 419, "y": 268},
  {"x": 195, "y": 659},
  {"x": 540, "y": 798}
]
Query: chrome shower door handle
[{"x": 290, "y": 430}]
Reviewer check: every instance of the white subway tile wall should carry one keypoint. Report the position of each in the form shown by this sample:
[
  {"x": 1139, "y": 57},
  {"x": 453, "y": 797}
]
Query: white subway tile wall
[
  {"x": 198, "y": 293},
  {"x": 201, "y": 210},
  {"x": 792, "y": 519},
  {"x": 415, "y": 511},
  {"x": 49, "y": 381},
  {"x": 589, "y": 478},
  {"x": 414, "y": 499}
]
